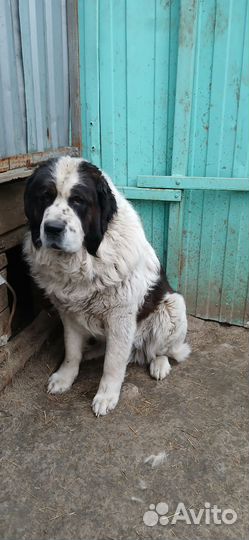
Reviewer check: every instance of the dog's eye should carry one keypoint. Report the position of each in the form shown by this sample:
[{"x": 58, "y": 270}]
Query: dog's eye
[
  {"x": 46, "y": 196},
  {"x": 77, "y": 200}
]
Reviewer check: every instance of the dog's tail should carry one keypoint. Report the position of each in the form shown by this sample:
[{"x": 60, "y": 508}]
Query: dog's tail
[
  {"x": 180, "y": 352},
  {"x": 177, "y": 310}
]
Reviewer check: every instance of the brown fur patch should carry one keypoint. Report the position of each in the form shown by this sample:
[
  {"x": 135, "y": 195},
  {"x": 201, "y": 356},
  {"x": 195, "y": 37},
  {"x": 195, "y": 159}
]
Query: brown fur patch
[{"x": 154, "y": 296}]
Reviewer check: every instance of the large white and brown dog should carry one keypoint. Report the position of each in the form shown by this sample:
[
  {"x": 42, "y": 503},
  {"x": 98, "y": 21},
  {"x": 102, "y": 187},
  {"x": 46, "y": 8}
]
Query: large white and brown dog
[{"x": 87, "y": 249}]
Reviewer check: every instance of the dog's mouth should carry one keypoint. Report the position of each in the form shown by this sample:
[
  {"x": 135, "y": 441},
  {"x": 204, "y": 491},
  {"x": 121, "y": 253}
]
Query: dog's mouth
[{"x": 55, "y": 246}]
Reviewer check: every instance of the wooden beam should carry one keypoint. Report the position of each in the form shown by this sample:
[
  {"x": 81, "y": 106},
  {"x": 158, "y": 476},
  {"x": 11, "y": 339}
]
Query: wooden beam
[
  {"x": 12, "y": 238},
  {"x": 21, "y": 166},
  {"x": 144, "y": 194},
  {"x": 19, "y": 350},
  {"x": 194, "y": 182}
]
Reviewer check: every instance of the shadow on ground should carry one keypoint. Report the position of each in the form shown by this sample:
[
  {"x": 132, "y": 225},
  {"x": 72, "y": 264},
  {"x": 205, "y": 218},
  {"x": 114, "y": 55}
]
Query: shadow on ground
[{"x": 68, "y": 475}]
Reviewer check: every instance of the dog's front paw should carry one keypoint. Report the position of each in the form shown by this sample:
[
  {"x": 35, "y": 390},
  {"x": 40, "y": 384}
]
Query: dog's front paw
[
  {"x": 104, "y": 402},
  {"x": 59, "y": 383},
  {"x": 160, "y": 368}
]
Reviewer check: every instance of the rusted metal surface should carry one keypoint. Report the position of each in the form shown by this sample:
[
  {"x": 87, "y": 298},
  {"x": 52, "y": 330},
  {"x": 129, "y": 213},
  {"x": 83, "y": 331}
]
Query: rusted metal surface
[
  {"x": 35, "y": 77},
  {"x": 12, "y": 94}
]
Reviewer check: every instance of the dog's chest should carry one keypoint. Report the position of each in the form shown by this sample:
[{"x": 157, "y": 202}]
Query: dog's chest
[{"x": 88, "y": 306}]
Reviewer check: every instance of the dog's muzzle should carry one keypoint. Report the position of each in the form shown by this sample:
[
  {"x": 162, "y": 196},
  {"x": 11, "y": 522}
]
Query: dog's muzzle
[{"x": 54, "y": 232}]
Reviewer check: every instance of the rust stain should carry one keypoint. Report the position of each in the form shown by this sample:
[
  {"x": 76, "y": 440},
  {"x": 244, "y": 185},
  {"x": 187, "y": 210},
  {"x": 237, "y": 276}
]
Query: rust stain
[
  {"x": 182, "y": 263},
  {"x": 185, "y": 102},
  {"x": 165, "y": 3},
  {"x": 4, "y": 165},
  {"x": 19, "y": 161},
  {"x": 186, "y": 33},
  {"x": 221, "y": 22}
]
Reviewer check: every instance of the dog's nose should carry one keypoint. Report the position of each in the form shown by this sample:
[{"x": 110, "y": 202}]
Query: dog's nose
[{"x": 54, "y": 227}]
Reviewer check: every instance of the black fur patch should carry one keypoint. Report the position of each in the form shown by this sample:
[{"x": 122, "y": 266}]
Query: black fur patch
[
  {"x": 94, "y": 203},
  {"x": 154, "y": 296},
  {"x": 40, "y": 193}
]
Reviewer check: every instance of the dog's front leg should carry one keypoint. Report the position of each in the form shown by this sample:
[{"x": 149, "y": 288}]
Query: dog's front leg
[
  {"x": 119, "y": 339},
  {"x": 75, "y": 339}
]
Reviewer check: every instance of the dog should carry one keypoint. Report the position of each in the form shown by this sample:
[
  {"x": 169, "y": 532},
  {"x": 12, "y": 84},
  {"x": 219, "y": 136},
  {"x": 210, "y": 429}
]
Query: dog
[{"x": 87, "y": 250}]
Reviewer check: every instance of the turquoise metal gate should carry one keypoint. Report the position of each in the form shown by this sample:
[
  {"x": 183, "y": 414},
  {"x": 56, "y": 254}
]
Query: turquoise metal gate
[{"x": 164, "y": 88}]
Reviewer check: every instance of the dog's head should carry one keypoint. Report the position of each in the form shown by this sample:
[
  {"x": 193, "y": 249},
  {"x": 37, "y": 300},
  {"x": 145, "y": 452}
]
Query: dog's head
[{"x": 68, "y": 203}]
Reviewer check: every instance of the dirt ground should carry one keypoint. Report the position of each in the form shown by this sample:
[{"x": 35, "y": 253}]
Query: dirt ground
[{"x": 68, "y": 475}]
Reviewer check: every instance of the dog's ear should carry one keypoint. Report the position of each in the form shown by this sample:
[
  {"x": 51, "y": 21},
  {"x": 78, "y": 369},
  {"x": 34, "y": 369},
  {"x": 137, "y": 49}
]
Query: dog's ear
[
  {"x": 93, "y": 236},
  {"x": 28, "y": 208},
  {"x": 31, "y": 212},
  {"x": 107, "y": 203},
  {"x": 34, "y": 200},
  {"x": 100, "y": 215}
]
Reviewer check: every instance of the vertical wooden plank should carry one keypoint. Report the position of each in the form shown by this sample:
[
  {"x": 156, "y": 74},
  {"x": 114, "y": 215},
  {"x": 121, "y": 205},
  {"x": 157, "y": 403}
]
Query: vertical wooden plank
[
  {"x": 184, "y": 85},
  {"x": 164, "y": 35},
  {"x": 140, "y": 25},
  {"x": 200, "y": 109},
  {"x": 106, "y": 83},
  {"x": 158, "y": 230},
  {"x": 161, "y": 90},
  {"x": 236, "y": 263},
  {"x": 175, "y": 224},
  {"x": 241, "y": 153},
  {"x": 214, "y": 232},
  {"x": 190, "y": 247},
  {"x": 120, "y": 91},
  {"x": 226, "y": 69},
  {"x": 184, "y": 89},
  {"x": 89, "y": 54},
  {"x": 74, "y": 72},
  {"x": 51, "y": 67},
  {"x": 174, "y": 11},
  {"x": 144, "y": 209}
]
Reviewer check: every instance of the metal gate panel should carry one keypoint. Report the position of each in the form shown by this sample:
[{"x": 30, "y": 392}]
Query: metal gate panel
[
  {"x": 12, "y": 98},
  {"x": 34, "y": 79},
  {"x": 128, "y": 77},
  {"x": 165, "y": 96},
  {"x": 212, "y": 260},
  {"x": 45, "y": 62},
  {"x": 207, "y": 257}
]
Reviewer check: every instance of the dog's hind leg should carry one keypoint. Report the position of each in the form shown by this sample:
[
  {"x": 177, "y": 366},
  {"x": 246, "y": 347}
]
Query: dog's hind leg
[{"x": 166, "y": 333}]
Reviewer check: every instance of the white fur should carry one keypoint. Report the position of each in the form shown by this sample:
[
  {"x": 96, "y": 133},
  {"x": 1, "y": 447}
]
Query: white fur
[{"x": 101, "y": 295}]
